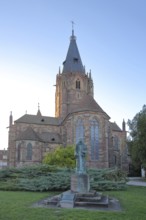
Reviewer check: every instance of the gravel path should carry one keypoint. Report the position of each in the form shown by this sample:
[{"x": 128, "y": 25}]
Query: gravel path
[{"x": 136, "y": 181}]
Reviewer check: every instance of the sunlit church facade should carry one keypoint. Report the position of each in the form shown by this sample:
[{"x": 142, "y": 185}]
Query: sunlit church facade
[{"x": 77, "y": 116}]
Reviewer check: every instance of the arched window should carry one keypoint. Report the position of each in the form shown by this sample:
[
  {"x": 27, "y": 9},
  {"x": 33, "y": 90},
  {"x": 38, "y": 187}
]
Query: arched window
[
  {"x": 94, "y": 140},
  {"x": 18, "y": 152},
  {"x": 79, "y": 131},
  {"x": 64, "y": 84},
  {"x": 77, "y": 84},
  {"x": 29, "y": 152},
  {"x": 116, "y": 143},
  {"x": 115, "y": 160}
]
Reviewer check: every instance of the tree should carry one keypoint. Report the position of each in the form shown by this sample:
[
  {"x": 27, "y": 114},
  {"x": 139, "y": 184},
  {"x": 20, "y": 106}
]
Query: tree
[
  {"x": 137, "y": 141},
  {"x": 62, "y": 157}
]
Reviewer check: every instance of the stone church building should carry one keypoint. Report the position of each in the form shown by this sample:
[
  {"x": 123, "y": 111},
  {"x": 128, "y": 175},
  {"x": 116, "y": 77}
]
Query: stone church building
[{"x": 77, "y": 116}]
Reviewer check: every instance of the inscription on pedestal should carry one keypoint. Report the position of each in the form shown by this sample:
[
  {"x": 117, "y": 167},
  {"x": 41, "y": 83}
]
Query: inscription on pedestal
[{"x": 80, "y": 183}]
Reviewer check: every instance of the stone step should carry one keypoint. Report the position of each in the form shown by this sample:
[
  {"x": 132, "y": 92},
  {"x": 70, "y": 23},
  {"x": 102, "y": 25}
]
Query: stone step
[
  {"x": 67, "y": 200},
  {"x": 89, "y": 194},
  {"x": 104, "y": 202},
  {"x": 90, "y": 199}
]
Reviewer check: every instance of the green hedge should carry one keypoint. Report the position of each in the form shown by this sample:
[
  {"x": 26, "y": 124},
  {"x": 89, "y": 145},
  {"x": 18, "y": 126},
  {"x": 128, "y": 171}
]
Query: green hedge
[{"x": 52, "y": 178}]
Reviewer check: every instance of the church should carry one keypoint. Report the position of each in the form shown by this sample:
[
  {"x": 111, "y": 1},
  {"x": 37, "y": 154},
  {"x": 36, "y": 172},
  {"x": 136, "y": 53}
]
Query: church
[{"x": 77, "y": 117}]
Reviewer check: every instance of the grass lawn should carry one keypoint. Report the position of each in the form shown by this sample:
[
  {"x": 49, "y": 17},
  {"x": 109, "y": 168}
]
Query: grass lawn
[{"x": 17, "y": 206}]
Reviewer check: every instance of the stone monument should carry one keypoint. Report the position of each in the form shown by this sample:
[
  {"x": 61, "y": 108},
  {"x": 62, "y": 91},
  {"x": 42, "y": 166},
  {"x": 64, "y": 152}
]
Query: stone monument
[
  {"x": 80, "y": 194},
  {"x": 80, "y": 180}
]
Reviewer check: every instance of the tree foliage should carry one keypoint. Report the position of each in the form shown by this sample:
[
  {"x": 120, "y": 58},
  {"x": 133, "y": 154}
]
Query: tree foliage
[
  {"x": 137, "y": 141},
  {"x": 62, "y": 157}
]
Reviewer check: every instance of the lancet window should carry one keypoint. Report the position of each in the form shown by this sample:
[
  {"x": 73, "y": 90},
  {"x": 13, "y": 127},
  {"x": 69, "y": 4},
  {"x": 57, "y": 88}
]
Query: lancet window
[
  {"x": 79, "y": 130},
  {"x": 116, "y": 143},
  {"x": 18, "y": 152},
  {"x": 94, "y": 140},
  {"x": 77, "y": 84},
  {"x": 29, "y": 152}
]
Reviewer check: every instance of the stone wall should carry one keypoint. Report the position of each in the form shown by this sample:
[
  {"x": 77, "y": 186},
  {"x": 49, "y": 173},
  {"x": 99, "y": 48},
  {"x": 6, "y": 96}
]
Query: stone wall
[
  {"x": 39, "y": 148},
  {"x": 69, "y": 128}
]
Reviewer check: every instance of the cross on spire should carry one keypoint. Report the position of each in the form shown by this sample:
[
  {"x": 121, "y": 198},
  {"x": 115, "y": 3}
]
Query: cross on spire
[
  {"x": 73, "y": 23},
  {"x": 39, "y": 112},
  {"x": 38, "y": 106}
]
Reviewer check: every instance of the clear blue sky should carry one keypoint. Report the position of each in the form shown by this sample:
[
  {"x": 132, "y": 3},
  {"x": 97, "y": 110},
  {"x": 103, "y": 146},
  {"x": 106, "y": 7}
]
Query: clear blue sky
[{"x": 34, "y": 39}]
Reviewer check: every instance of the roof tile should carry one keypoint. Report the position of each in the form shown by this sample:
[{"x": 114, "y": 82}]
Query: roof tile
[
  {"x": 87, "y": 104},
  {"x": 38, "y": 119}
]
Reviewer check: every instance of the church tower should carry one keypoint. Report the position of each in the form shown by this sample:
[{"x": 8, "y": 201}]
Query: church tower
[
  {"x": 73, "y": 82},
  {"x": 77, "y": 117}
]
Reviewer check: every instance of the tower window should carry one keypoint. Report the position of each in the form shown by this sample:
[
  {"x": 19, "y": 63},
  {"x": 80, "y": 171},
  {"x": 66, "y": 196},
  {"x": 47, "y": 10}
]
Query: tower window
[
  {"x": 78, "y": 84},
  {"x": 75, "y": 60}
]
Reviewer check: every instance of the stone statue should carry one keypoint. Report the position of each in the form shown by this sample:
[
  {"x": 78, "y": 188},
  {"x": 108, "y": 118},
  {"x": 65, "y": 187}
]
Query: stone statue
[{"x": 80, "y": 154}]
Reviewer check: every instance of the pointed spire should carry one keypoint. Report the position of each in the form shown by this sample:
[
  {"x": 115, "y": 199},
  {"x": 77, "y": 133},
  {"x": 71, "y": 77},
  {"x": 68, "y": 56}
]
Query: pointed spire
[
  {"x": 59, "y": 70},
  {"x": 73, "y": 62},
  {"x": 39, "y": 112},
  {"x": 90, "y": 74},
  {"x": 123, "y": 125},
  {"x": 10, "y": 119},
  {"x": 84, "y": 69}
]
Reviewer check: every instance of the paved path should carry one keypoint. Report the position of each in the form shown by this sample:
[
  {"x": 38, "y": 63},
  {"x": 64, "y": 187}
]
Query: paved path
[{"x": 136, "y": 181}]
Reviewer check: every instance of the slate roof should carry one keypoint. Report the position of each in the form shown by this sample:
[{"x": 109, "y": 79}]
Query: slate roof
[
  {"x": 47, "y": 137},
  {"x": 73, "y": 62},
  {"x": 38, "y": 119},
  {"x": 87, "y": 103},
  {"x": 29, "y": 134},
  {"x": 50, "y": 137},
  {"x": 115, "y": 127}
]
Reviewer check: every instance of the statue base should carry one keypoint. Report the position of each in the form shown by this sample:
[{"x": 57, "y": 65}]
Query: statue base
[{"x": 80, "y": 183}]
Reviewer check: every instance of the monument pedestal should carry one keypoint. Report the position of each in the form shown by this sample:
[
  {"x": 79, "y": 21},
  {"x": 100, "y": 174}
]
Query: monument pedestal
[{"x": 80, "y": 183}]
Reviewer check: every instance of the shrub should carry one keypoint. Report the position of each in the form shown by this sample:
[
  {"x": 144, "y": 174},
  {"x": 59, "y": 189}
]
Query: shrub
[
  {"x": 47, "y": 178},
  {"x": 62, "y": 157}
]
